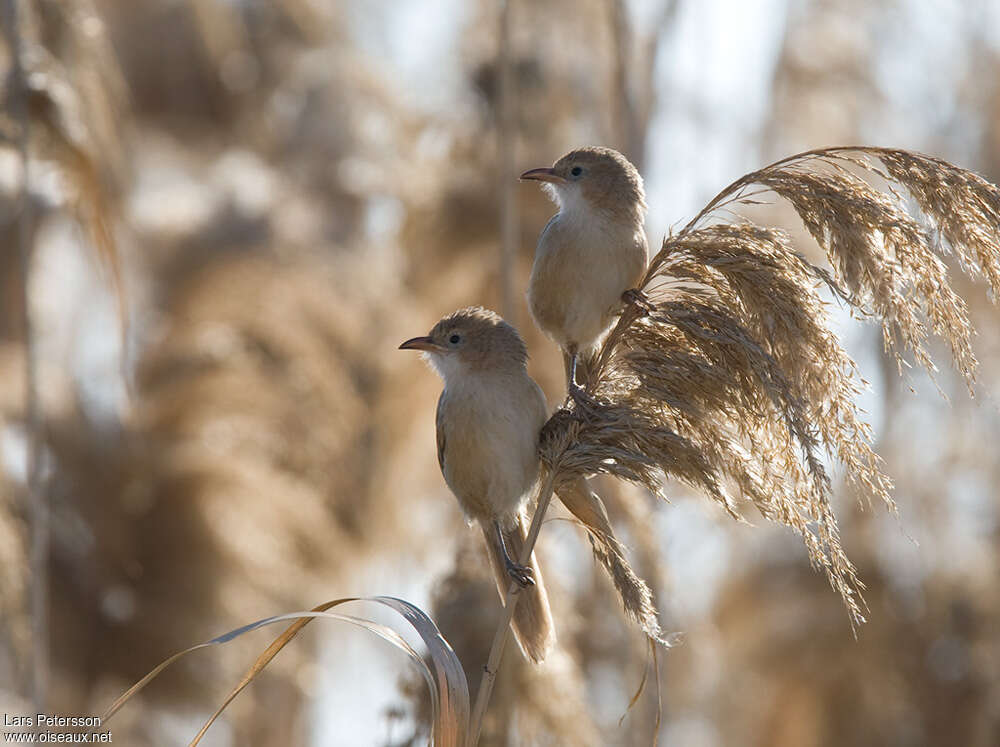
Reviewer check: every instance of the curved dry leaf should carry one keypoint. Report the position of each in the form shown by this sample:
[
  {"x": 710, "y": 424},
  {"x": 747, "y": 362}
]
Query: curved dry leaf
[{"x": 449, "y": 690}]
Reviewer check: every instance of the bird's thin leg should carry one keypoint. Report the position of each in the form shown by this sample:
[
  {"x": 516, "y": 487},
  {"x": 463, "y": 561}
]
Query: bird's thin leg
[
  {"x": 571, "y": 358},
  {"x": 567, "y": 366},
  {"x": 572, "y": 354},
  {"x": 522, "y": 574}
]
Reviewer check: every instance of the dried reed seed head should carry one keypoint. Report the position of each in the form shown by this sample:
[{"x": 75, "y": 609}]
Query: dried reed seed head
[
  {"x": 888, "y": 257},
  {"x": 637, "y": 599},
  {"x": 757, "y": 275},
  {"x": 963, "y": 206},
  {"x": 873, "y": 246},
  {"x": 724, "y": 369},
  {"x": 744, "y": 396}
]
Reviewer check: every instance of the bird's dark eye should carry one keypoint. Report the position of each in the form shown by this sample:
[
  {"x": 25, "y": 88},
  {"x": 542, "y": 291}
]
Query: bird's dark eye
[
  {"x": 576, "y": 171},
  {"x": 454, "y": 339}
]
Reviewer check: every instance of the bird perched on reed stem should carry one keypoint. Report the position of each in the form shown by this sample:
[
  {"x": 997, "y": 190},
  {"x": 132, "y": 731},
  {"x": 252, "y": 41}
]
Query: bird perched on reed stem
[
  {"x": 489, "y": 417},
  {"x": 590, "y": 253}
]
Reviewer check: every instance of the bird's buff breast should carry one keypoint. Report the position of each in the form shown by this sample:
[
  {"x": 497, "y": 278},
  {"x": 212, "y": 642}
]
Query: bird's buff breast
[
  {"x": 490, "y": 459},
  {"x": 578, "y": 278}
]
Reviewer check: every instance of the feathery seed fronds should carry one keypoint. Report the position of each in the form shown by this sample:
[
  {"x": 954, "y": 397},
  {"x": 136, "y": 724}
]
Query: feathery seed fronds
[{"x": 723, "y": 369}]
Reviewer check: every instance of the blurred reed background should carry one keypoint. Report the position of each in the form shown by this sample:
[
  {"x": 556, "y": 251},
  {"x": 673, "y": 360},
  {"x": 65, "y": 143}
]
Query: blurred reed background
[{"x": 280, "y": 192}]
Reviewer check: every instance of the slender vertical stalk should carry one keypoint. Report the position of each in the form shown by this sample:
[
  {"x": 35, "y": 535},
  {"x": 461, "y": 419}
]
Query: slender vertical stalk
[
  {"x": 510, "y": 602},
  {"x": 38, "y": 512},
  {"x": 506, "y": 171},
  {"x": 623, "y": 125},
  {"x": 38, "y": 515},
  {"x": 634, "y": 91}
]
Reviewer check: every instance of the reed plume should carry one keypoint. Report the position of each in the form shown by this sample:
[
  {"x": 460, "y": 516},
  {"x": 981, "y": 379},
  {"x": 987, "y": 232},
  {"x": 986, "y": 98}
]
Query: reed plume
[
  {"x": 74, "y": 102},
  {"x": 723, "y": 371}
]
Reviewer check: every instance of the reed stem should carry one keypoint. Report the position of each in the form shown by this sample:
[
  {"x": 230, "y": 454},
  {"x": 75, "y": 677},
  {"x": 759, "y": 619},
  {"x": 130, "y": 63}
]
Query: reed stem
[{"x": 510, "y": 602}]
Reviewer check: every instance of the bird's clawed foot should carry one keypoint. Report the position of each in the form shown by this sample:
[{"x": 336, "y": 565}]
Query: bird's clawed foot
[
  {"x": 522, "y": 574},
  {"x": 635, "y": 297},
  {"x": 580, "y": 395}
]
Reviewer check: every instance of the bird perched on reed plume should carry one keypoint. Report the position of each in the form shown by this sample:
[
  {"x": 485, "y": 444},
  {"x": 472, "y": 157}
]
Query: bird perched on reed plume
[
  {"x": 590, "y": 253},
  {"x": 489, "y": 417}
]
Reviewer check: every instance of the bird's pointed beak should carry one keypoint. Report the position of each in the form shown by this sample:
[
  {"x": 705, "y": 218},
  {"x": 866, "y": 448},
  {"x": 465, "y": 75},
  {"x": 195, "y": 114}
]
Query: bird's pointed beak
[
  {"x": 421, "y": 343},
  {"x": 544, "y": 174}
]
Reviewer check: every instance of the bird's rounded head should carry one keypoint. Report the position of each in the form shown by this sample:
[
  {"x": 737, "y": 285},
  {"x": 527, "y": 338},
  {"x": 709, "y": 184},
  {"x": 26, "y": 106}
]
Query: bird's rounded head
[
  {"x": 600, "y": 178},
  {"x": 471, "y": 339}
]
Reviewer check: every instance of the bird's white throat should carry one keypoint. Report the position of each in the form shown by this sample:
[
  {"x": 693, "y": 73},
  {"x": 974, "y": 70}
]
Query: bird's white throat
[
  {"x": 446, "y": 366},
  {"x": 569, "y": 199},
  {"x": 576, "y": 211},
  {"x": 457, "y": 374}
]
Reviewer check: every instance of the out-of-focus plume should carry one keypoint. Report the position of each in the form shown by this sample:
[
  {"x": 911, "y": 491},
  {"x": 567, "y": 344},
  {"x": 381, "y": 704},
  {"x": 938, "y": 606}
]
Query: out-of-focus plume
[
  {"x": 465, "y": 608},
  {"x": 75, "y": 100},
  {"x": 923, "y": 671}
]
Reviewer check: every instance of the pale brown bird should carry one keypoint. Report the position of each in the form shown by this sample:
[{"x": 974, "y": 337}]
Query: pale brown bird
[
  {"x": 590, "y": 253},
  {"x": 489, "y": 417}
]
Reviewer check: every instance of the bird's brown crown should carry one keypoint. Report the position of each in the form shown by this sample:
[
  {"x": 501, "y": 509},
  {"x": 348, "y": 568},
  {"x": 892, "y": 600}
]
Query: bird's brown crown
[
  {"x": 480, "y": 337},
  {"x": 606, "y": 178}
]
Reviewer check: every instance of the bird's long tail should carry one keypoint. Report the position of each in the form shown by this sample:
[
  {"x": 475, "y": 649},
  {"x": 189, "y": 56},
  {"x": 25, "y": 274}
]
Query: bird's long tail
[{"x": 532, "y": 622}]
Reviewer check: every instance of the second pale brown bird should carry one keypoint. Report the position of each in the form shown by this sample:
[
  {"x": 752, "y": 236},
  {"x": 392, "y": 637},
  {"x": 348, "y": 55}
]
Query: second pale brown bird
[
  {"x": 590, "y": 253},
  {"x": 489, "y": 418}
]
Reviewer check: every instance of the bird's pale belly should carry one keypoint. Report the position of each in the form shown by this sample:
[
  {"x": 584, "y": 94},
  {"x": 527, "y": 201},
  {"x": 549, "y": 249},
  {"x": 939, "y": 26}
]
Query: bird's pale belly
[
  {"x": 490, "y": 461},
  {"x": 575, "y": 293},
  {"x": 494, "y": 484}
]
